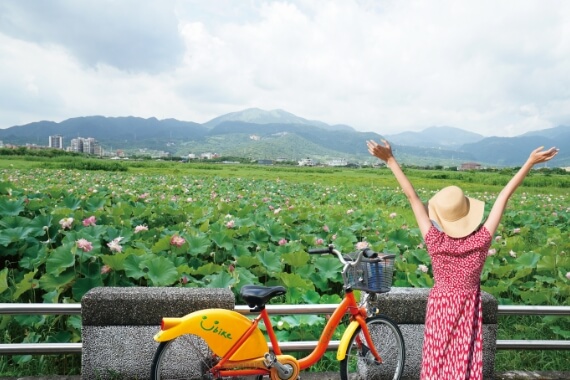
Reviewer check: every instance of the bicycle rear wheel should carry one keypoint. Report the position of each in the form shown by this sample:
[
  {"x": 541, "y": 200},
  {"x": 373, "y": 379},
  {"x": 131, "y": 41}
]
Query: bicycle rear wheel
[
  {"x": 359, "y": 362},
  {"x": 186, "y": 357}
]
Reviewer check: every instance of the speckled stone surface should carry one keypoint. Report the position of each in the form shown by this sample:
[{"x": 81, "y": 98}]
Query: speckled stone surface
[
  {"x": 407, "y": 307},
  {"x": 126, "y": 352},
  {"x": 135, "y": 306},
  {"x": 414, "y": 337},
  {"x": 119, "y": 325}
]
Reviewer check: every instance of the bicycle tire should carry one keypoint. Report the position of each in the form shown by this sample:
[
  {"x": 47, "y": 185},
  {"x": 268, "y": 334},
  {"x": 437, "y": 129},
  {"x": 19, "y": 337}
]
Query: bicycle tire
[
  {"x": 387, "y": 338},
  {"x": 185, "y": 357}
]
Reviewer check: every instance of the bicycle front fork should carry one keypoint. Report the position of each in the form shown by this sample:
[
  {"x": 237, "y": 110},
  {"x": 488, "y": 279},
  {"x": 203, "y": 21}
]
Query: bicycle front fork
[{"x": 365, "y": 301}]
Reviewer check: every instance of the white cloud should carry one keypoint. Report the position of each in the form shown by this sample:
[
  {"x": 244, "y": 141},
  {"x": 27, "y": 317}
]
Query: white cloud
[{"x": 497, "y": 68}]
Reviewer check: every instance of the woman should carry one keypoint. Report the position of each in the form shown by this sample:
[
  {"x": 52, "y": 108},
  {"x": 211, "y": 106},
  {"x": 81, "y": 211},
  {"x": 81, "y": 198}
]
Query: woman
[{"x": 457, "y": 243}]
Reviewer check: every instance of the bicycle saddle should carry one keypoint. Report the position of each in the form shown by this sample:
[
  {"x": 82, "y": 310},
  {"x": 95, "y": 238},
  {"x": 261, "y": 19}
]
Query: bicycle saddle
[{"x": 256, "y": 296}]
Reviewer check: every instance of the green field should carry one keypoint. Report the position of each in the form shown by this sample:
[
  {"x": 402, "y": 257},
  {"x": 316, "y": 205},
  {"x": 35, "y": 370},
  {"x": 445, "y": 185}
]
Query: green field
[{"x": 69, "y": 224}]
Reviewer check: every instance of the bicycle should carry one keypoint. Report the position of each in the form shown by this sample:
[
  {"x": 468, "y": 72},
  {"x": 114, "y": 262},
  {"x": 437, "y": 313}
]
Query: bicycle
[{"x": 372, "y": 345}]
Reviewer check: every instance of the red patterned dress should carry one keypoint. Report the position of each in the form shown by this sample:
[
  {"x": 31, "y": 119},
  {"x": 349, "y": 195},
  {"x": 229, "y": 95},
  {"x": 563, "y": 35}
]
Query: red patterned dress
[{"x": 454, "y": 317}]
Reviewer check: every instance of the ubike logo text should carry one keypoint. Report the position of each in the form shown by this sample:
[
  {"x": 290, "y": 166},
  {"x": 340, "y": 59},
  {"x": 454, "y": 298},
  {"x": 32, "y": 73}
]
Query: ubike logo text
[{"x": 214, "y": 328}]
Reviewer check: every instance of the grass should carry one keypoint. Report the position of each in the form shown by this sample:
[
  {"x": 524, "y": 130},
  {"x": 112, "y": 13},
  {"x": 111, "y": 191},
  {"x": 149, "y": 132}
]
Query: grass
[
  {"x": 529, "y": 328},
  {"x": 40, "y": 365}
]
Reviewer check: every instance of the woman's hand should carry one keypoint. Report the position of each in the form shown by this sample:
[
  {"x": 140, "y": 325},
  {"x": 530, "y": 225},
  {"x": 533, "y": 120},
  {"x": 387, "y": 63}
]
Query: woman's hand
[
  {"x": 383, "y": 152},
  {"x": 539, "y": 155}
]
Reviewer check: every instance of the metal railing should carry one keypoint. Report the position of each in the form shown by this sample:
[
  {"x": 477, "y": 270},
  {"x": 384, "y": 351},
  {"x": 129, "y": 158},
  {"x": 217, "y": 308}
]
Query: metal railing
[{"x": 75, "y": 309}]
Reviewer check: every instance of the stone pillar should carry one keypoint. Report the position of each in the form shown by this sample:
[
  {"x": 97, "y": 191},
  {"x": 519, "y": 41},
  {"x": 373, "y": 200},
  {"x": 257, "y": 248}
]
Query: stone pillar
[
  {"x": 119, "y": 325},
  {"x": 407, "y": 307}
]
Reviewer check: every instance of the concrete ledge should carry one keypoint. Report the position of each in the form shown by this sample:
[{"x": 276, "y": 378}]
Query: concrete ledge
[
  {"x": 136, "y": 306},
  {"x": 119, "y": 325},
  {"x": 407, "y": 307}
]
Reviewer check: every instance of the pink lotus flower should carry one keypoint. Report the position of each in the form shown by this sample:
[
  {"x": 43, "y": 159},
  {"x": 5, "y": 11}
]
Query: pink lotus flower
[
  {"x": 423, "y": 268},
  {"x": 491, "y": 252},
  {"x": 362, "y": 245},
  {"x": 326, "y": 228},
  {"x": 568, "y": 275},
  {"x": 177, "y": 241},
  {"x": 230, "y": 224},
  {"x": 66, "y": 223},
  {"x": 516, "y": 230},
  {"x": 319, "y": 241},
  {"x": 89, "y": 221},
  {"x": 140, "y": 228},
  {"x": 393, "y": 215},
  {"x": 282, "y": 241},
  {"x": 115, "y": 246},
  {"x": 349, "y": 211},
  {"x": 105, "y": 269},
  {"x": 84, "y": 244},
  {"x": 513, "y": 253}
]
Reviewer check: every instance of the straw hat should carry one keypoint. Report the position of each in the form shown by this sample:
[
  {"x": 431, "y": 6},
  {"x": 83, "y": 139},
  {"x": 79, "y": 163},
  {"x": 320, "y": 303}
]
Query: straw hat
[{"x": 456, "y": 214}]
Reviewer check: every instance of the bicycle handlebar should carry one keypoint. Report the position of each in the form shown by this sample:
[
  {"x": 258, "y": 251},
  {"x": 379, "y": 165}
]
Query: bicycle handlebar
[
  {"x": 366, "y": 252},
  {"x": 328, "y": 249}
]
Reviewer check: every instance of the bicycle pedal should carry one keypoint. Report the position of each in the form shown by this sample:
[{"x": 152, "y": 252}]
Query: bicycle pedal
[{"x": 269, "y": 359}]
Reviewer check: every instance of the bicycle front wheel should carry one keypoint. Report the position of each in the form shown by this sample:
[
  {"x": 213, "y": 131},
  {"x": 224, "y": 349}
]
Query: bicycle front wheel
[
  {"x": 185, "y": 357},
  {"x": 359, "y": 363}
]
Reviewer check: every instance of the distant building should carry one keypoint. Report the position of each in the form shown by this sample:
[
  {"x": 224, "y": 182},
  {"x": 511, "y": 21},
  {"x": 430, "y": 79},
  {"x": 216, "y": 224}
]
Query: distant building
[
  {"x": 306, "y": 162},
  {"x": 470, "y": 166},
  {"x": 338, "y": 162},
  {"x": 56, "y": 142},
  {"x": 89, "y": 145},
  {"x": 265, "y": 162},
  {"x": 161, "y": 154},
  {"x": 86, "y": 145},
  {"x": 209, "y": 156}
]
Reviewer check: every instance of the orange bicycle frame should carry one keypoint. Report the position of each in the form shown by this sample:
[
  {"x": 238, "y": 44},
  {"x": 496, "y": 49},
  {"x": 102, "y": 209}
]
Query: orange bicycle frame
[{"x": 249, "y": 365}]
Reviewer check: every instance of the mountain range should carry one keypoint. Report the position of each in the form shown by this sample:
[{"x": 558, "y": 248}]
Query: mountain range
[{"x": 277, "y": 134}]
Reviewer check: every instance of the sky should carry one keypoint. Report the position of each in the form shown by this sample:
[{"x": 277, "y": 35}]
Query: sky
[{"x": 498, "y": 68}]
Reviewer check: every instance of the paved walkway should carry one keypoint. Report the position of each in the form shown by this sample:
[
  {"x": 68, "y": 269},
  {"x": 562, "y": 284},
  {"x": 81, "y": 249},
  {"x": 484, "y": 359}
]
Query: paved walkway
[{"x": 511, "y": 375}]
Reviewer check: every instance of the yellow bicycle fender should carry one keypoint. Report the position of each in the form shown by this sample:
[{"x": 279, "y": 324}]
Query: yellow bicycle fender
[
  {"x": 220, "y": 328},
  {"x": 345, "y": 340}
]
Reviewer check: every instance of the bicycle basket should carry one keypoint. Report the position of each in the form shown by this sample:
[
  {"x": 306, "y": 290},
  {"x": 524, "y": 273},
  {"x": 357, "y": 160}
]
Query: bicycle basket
[{"x": 371, "y": 275}]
